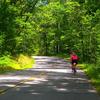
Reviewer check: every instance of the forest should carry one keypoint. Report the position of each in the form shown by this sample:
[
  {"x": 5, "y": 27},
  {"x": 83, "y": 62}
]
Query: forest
[{"x": 51, "y": 27}]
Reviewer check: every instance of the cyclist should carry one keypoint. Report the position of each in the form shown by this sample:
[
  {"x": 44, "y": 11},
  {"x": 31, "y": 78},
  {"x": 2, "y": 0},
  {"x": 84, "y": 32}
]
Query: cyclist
[{"x": 74, "y": 61}]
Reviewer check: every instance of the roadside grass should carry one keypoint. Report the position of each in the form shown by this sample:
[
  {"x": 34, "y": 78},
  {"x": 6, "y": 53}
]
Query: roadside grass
[
  {"x": 93, "y": 73},
  {"x": 20, "y": 62},
  {"x": 25, "y": 62}
]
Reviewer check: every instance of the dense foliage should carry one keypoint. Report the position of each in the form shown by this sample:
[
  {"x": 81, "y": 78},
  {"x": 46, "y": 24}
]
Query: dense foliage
[{"x": 50, "y": 27}]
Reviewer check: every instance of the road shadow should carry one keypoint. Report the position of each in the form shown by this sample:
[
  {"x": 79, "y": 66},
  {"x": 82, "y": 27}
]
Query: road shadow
[{"x": 51, "y": 82}]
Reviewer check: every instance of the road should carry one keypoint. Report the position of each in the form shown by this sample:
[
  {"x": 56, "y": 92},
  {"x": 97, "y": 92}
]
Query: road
[{"x": 51, "y": 79}]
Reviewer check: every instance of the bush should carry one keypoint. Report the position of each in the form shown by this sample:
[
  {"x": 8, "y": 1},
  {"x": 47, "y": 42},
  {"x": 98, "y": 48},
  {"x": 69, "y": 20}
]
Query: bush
[
  {"x": 25, "y": 61},
  {"x": 8, "y": 63}
]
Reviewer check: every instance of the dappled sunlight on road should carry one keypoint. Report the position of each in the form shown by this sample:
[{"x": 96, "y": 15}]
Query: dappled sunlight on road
[
  {"x": 54, "y": 70},
  {"x": 12, "y": 78},
  {"x": 48, "y": 81}
]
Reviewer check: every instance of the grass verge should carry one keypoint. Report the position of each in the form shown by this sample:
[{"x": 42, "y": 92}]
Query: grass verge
[
  {"x": 8, "y": 63},
  {"x": 93, "y": 72}
]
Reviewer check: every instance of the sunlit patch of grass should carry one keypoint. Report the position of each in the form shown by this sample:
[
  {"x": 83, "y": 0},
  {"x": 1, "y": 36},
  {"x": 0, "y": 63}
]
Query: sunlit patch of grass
[
  {"x": 8, "y": 63},
  {"x": 25, "y": 61},
  {"x": 82, "y": 66}
]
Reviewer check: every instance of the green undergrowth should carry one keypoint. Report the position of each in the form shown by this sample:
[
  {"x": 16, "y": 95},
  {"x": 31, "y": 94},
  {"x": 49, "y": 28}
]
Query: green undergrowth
[
  {"x": 93, "y": 72},
  {"x": 64, "y": 56},
  {"x": 20, "y": 62}
]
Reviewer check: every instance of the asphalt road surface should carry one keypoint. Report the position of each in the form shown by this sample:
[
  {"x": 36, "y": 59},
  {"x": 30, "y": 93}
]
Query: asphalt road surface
[{"x": 50, "y": 78}]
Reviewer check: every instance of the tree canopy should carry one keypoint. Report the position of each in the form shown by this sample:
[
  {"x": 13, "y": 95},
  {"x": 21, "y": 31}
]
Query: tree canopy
[{"x": 50, "y": 27}]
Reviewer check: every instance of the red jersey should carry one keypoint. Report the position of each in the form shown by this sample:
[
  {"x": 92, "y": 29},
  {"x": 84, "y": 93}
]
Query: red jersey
[{"x": 74, "y": 57}]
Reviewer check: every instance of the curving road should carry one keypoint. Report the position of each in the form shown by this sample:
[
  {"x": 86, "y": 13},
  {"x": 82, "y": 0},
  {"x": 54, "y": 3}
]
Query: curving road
[{"x": 51, "y": 79}]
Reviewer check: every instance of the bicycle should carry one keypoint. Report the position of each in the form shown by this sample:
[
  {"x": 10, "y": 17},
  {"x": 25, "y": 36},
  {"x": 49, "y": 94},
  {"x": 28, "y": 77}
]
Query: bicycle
[{"x": 74, "y": 68}]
